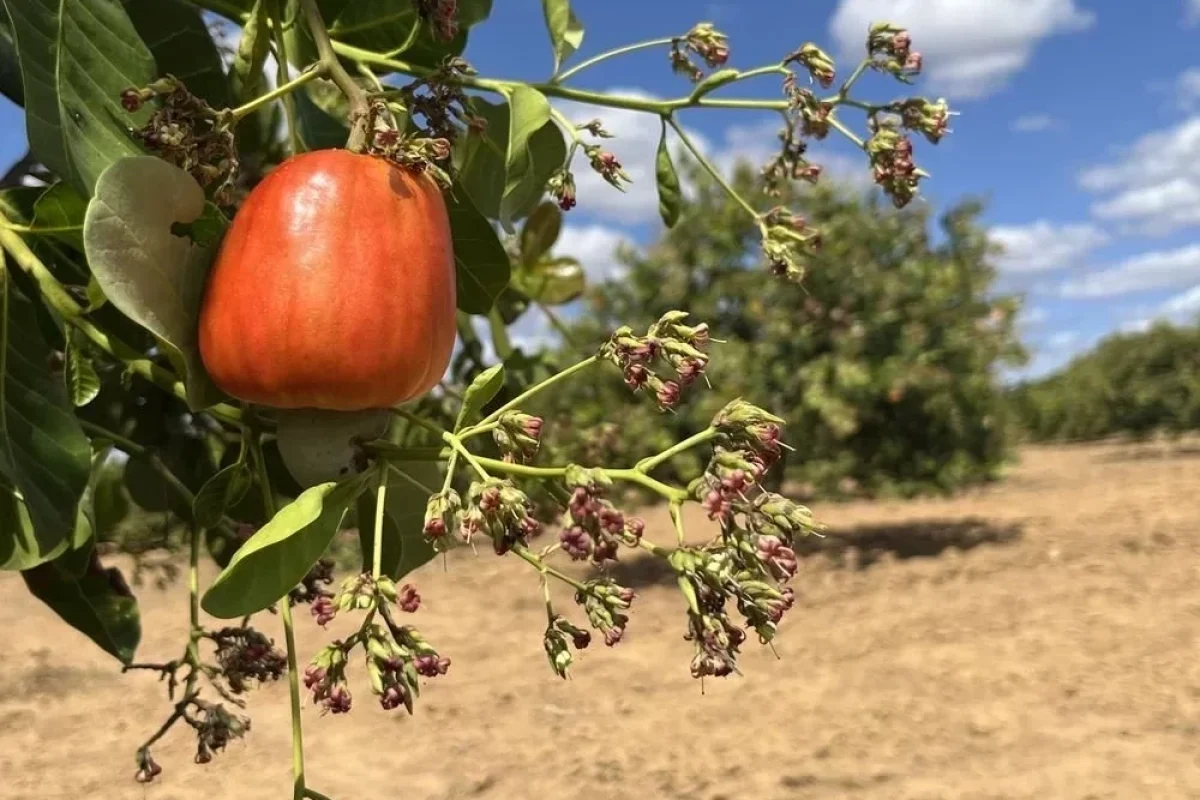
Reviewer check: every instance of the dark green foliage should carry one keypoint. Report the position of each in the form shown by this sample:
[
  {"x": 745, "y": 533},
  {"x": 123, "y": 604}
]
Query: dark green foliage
[
  {"x": 882, "y": 360},
  {"x": 1131, "y": 383}
]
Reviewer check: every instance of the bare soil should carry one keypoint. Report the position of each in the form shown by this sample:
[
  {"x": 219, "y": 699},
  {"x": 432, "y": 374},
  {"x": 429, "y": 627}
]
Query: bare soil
[{"x": 1037, "y": 639}]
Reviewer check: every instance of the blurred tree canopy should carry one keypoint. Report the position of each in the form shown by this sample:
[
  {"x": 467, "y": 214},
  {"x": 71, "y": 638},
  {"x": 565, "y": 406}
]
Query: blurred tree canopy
[
  {"x": 1130, "y": 383},
  {"x": 883, "y": 360}
]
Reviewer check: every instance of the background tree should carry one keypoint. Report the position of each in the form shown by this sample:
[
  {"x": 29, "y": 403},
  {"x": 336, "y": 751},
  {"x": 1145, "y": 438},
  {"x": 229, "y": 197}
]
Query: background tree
[{"x": 883, "y": 360}]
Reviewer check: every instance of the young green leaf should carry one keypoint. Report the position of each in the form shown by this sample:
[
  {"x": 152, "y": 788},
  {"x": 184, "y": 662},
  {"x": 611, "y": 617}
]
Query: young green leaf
[
  {"x": 479, "y": 393},
  {"x": 278, "y": 556},
  {"x": 714, "y": 81},
  {"x": 505, "y": 177},
  {"x": 246, "y": 73},
  {"x": 316, "y": 444},
  {"x": 670, "y": 196},
  {"x": 221, "y": 492},
  {"x": 540, "y": 232},
  {"x": 405, "y": 511},
  {"x": 97, "y": 603},
  {"x": 60, "y": 210},
  {"x": 552, "y": 281},
  {"x": 179, "y": 40},
  {"x": 43, "y": 451},
  {"x": 566, "y": 33},
  {"x": 482, "y": 266},
  {"x": 153, "y": 276},
  {"x": 83, "y": 384},
  {"x": 76, "y": 58}
]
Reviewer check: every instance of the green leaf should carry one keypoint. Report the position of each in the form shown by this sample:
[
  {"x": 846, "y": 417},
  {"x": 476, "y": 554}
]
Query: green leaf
[
  {"x": 110, "y": 503},
  {"x": 528, "y": 112},
  {"x": 552, "y": 281},
  {"x": 384, "y": 26},
  {"x": 179, "y": 40},
  {"x": 43, "y": 451},
  {"x": 76, "y": 58},
  {"x": 97, "y": 603},
  {"x": 405, "y": 547},
  {"x": 714, "y": 81},
  {"x": 479, "y": 393},
  {"x": 506, "y": 177},
  {"x": 540, "y": 232},
  {"x": 319, "y": 130},
  {"x": 670, "y": 195},
  {"x": 405, "y": 510},
  {"x": 83, "y": 384},
  {"x": 482, "y": 265},
  {"x": 10, "y": 63},
  {"x": 278, "y": 556},
  {"x": 62, "y": 208},
  {"x": 566, "y": 33},
  {"x": 316, "y": 444},
  {"x": 221, "y": 492},
  {"x": 19, "y": 548},
  {"x": 151, "y": 275},
  {"x": 246, "y": 73}
]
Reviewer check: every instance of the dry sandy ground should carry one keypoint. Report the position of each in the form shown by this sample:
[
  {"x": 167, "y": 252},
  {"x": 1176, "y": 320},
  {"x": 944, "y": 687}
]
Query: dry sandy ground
[{"x": 1049, "y": 650}]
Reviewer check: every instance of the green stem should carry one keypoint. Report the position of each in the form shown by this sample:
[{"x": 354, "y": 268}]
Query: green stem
[
  {"x": 545, "y": 568},
  {"x": 629, "y": 475},
  {"x": 359, "y": 113},
  {"x": 528, "y": 393},
  {"x": 40, "y": 231},
  {"x": 837, "y": 125},
  {"x": 648, "y": 464},
  {"x": 380, "y": 501},
  {"x": 854, "y": 76},
  {"x": 710, "y": 169},
  {"x": 676, "y": 509},
  {"x": 62, "y": 302},
  {"x": 285, "y": 612},
  {"x": 310, "y": 74},
  {"x": 607, "y": 54},
  {"x": 461, "y": 449},
  {"x": 281, "y": 75}
]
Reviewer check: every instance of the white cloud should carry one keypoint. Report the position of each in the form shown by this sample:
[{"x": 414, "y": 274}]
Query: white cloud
[
  {"x": 1187, "y": 88},
  {"x": 1183, "y": 304},
  {"x": 1042, "y": 246},
  {"x": 1159, "y": 269},
  {"x": 1191, "y": 12},
  {"x": 971, "y": 47},
  {"x": 1032, "y": 123},
  {"x": 596, "y": 247},
  {"x": 1156, "y": 183}
]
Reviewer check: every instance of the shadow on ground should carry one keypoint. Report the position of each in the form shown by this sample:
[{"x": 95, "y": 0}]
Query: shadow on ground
[
  {"x": 856, "y": 547},
  {"x": 1148, "y": 453}
]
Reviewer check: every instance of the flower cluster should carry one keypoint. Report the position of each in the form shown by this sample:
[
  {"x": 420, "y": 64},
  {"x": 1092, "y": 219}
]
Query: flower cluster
[
  {"x": 789, "y": 164},
  {"x": 439, "y": 100},
  {"x": 518, "y": 436},
  {"x": 704, "y": 41},
  {"x": 607, "y": 165},
  {"x": 818, "y": 63},
  {"x": 891, "y": 155},
  {"x": 441, "y": 16},
  {"x": 214, "y": 728},
  {"x": 890, "y": 49},
  {"x": 592, "y": 527},
  {"x": 502, "y": 512},
  {"x": 681, "y": 346},
  {"x": 787, "y": 242},
  {"x": 562, "y": 188},
  {"x": 443, "y": 516},
  {"x": 396, "y": 654},
  {"x": 931, "y": 120},
  {"x": 247, "y": 657},
  {"x": 311, "y": 588},
  {"x": 604, "y": 602},
  {"x": 557, "y": 648},
  {"x": 187, "y": 132}
]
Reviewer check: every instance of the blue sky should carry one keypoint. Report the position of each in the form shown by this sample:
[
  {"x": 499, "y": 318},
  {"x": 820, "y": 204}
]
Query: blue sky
[{"x": 1080, "y": 126}]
